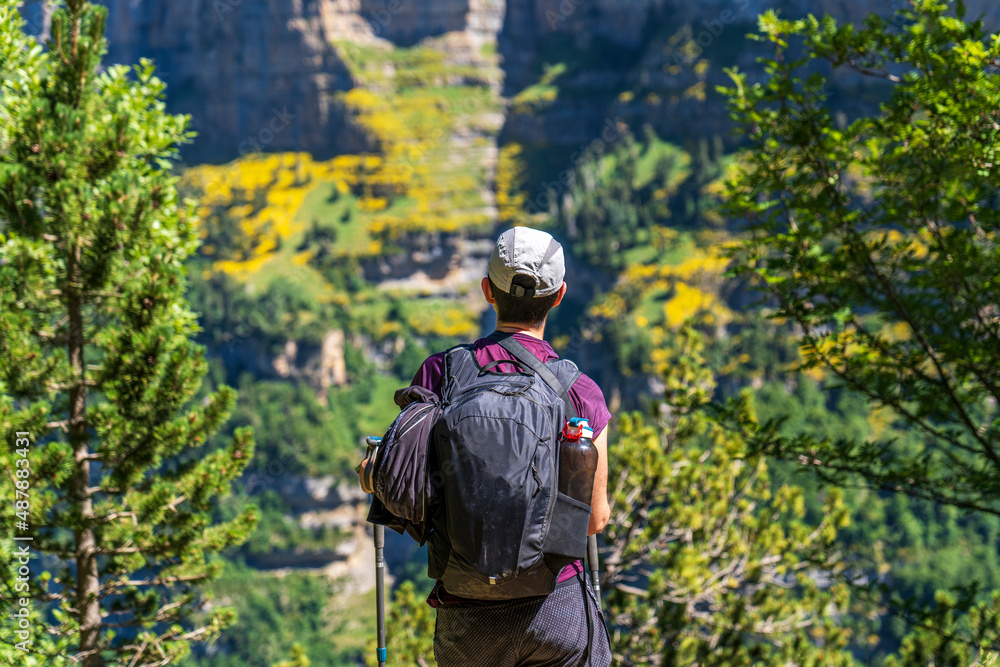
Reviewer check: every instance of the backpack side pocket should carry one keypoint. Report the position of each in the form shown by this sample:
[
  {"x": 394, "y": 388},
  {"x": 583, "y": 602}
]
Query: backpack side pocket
[{"x": 566, "y": 540}]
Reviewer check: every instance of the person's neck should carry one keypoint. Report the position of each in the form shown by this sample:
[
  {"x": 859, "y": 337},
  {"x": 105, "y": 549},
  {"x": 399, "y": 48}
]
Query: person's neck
[{"x": 534, "y": 332}]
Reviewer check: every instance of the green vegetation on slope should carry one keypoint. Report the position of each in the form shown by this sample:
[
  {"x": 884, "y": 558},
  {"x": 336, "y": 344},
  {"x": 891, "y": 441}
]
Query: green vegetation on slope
[
  {"x": 279, "y": 613},
  {"x": 433, "y": 122}
]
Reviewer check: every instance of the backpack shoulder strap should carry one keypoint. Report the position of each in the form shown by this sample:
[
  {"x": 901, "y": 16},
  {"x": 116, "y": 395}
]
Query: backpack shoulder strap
[
  {"x": 522, "y": 354},
  {"x": 460, "y": 368},
  {"x": 566, "y": 371}
]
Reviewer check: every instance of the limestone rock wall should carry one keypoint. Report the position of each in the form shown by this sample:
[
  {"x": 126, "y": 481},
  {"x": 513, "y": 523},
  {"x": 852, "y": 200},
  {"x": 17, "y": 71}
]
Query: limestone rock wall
[
  {"x": 263, "y": 74},
  {"x": 253, "y": 74},
  {"x": 625, "y": 45},
  {"x": 405, "y": 22}
]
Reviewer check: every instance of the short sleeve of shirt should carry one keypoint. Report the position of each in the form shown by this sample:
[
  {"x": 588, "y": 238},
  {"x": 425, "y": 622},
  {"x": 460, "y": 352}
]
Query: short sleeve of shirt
[
  {"x": 588, "y": 399},
  {"x": 430, "y": 373}
]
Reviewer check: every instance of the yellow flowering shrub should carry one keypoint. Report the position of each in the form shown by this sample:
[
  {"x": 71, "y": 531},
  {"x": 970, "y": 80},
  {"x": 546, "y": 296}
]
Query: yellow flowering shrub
[
  {"x": 451, "y": 322},
  {"x": 687, "y": 302},
  {"x": 252, "y": 203},
  {"x": 412, "y": 115},
  {"x": 660, "y": 297},
  {"x": 709, "y": 262}
]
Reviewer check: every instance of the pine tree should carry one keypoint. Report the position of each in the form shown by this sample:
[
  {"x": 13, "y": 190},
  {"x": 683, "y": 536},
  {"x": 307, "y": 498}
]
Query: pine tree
[{"x": 96, "y": 361}]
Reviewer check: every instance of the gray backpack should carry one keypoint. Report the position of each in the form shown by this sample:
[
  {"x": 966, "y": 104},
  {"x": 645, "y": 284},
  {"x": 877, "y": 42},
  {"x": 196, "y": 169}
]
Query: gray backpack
[{"x": 502, "y": 529}]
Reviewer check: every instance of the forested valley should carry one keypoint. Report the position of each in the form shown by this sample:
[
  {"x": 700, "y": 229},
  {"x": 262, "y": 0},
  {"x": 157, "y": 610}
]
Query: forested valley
[{"x": 781, "y": 266}]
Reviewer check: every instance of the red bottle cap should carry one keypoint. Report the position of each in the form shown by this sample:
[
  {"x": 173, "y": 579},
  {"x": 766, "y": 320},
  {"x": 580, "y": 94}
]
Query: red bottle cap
[{"x": 576, "y": 428}]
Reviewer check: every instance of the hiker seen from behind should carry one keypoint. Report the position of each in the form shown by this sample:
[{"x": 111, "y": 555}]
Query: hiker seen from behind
[{"x": 472, "y": 467}]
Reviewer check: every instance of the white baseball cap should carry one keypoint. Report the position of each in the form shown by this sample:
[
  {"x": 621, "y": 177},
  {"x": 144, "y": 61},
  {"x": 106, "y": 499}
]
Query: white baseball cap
[{"x": 527, "y": 252}]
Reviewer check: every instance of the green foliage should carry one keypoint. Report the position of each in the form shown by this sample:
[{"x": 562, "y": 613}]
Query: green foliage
[
  {"x": 299, "y": 658},
  {"x": 912, "y": 546},
  {"x": 295, "y": 433},
  {"x": 877, "y": 238},
  {"x": 417, "y": 66},
  {"x": 406, "y": 363},
  {"x": 280, "y": 616},
  {"x": 614, "y": 200},
  {"x": 278, "y": 530},
  {"x": 539, "y": 95},
  {"x": 96, "y": 361},
  {"x": 940, "y": 637},
  {"x": 706, "y": 565},
  {"x": 232, "y": 317}
]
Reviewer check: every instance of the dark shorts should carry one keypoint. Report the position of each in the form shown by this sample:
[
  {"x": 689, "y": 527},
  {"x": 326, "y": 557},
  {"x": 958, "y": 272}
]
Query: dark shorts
[{"x": 564, "y": 629}]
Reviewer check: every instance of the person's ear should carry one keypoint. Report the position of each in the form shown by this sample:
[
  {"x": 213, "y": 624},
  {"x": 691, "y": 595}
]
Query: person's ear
[
  {"x": 559, "y": 295},
  {"x": 487, "y": 290}
]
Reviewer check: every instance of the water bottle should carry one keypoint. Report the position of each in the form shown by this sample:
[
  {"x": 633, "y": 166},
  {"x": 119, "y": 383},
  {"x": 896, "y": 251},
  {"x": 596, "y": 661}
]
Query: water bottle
[{"x": 577, "y": 460}]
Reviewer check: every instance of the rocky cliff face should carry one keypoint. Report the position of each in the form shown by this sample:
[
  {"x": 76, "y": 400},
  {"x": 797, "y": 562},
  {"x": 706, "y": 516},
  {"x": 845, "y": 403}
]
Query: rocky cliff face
[
  {"x": 253, "y": 75},
  {"x": 652, "y": 62},
  {"x": 263, "y": 74}
]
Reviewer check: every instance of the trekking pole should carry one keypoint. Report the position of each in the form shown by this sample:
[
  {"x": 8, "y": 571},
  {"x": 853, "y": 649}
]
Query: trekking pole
[
  {"x": 380, "y": 592},
  {"x": 595, "y": 570},
  {"x": 373, "y": 443}
]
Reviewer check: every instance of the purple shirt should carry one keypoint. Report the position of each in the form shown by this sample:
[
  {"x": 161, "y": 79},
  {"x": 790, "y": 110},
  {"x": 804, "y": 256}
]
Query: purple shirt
[{"x": 587, "y": 398}]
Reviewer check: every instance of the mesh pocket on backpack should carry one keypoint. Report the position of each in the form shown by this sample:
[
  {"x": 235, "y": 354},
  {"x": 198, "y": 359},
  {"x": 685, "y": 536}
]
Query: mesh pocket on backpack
[{"x": 567, "y": 536}]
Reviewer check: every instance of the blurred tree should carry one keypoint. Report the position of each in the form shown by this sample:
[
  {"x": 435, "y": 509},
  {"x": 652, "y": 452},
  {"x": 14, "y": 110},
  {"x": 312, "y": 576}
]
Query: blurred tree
[
  {"x": 941, "y": 637},
  {"x": 616, "y": 200},
  {"x": 299, "y": 658},
  {"x": 705, "y": 565},
  {"x": 96, "y": 361},
  {"x": 877, "y": 238}
]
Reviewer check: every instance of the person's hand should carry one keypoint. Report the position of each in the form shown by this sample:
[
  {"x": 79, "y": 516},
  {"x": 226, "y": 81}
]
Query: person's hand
[{"x": 361, "y": 475}]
